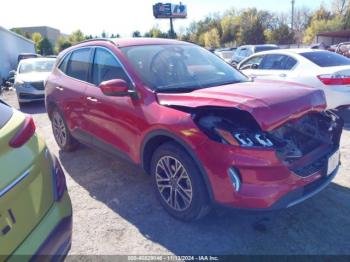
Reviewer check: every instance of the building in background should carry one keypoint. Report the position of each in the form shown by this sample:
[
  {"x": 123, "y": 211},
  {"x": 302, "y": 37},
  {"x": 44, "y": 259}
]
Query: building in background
[
  {"x": 332, "y": 38},
  {"x": 50, "y": 33},
  {"x": 11, "y": 45}
]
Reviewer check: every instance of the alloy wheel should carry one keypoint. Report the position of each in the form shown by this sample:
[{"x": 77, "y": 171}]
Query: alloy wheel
[
  {"x": 173, "y": 183},
  {"x": 59, "y": 129}
]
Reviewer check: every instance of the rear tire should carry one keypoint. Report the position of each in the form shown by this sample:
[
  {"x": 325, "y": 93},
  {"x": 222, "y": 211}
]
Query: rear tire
[
  {"x": 62, "y": 135},
  {"x": 178, "y": 183}
]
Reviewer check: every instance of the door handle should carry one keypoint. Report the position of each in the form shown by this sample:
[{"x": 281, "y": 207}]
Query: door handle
[
  {"x": 92, "y": 99},
  {"x": 282, "y": 75},
  {"x": 59, "y": 88}
]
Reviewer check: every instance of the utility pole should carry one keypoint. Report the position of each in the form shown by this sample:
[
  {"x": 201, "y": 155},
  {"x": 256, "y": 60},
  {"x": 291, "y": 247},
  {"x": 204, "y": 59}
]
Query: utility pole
[{"x": 292, "y": 22}]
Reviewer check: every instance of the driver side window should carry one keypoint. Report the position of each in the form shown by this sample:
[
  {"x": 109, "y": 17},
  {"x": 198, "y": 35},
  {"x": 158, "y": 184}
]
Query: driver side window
[{"x": 106, "y": 67}]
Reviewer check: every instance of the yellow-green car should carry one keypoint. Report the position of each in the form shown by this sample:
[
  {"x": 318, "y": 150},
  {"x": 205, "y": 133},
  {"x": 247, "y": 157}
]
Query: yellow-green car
[{"x": 35, "y": 208}]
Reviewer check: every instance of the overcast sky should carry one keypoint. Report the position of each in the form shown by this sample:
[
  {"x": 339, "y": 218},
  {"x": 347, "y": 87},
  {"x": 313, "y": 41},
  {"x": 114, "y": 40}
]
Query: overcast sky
[{"x": 123, "y": 17}]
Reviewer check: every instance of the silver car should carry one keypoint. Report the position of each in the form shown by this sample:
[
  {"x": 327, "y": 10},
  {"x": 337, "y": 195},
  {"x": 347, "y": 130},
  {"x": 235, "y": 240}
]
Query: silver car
[{"x": 30, "y": 77}]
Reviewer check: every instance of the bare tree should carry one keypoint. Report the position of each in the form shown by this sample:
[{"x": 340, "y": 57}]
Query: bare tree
[
  {"x": 302, "y": 17},
  {"x": 340, "y": 6}
]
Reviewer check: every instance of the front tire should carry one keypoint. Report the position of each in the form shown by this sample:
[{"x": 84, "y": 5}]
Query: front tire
[
  {"x": 178, "y": 183},
  {"x": 63, "y": 137}
]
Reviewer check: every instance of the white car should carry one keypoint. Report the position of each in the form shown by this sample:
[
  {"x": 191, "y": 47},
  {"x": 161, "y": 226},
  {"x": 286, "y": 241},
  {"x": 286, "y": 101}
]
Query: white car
[
  {"x": 30, "y": 77},
  {"x": 316, "y": 68},
  {"x": 225, "y": 54}
]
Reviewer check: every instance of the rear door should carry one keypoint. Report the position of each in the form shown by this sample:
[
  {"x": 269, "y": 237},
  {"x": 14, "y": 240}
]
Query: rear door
[
  {"x": 26, "y": 192},
  {"x": 68, "y": 85}
]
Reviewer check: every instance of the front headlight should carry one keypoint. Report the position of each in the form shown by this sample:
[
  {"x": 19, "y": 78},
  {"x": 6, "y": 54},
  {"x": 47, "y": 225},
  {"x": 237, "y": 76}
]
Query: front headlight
[
  {"x": 244, "y": 138},
  {"x": 240, "y": 130}
]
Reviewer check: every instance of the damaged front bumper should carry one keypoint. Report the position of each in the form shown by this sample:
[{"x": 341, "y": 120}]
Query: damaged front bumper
[{"x": 271, "y": 178}]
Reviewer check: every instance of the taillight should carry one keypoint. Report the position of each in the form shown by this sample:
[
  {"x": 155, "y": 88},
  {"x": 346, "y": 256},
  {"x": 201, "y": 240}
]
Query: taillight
[
  {"x": 334, "y": 79},
  {"x": 59, "y": 179},
  {"x": 24, "y": 133}
]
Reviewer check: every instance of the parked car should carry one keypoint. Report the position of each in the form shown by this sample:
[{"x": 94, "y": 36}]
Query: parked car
[
  {"x": 343, "y": 49},
  {"x": 26, "y": 56},
  {"x": 204, "y": 132},
  {"x": 245, "y": 51},
  {"x": 35, "y": 208},
  {"x": 316, "y": 68},
  {"x": 225, "y": 54},
  {"x": 30, "y": 77}
]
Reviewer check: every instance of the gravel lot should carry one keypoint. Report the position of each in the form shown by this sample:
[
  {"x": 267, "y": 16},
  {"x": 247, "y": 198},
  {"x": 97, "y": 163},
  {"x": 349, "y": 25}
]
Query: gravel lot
[{"x": 116, "y": 212}]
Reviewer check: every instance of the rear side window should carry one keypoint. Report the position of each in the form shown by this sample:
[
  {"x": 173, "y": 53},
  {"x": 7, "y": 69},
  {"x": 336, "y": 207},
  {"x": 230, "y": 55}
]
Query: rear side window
[
  {"x": 5, "y": 114},
  {"x": 79, "y": 64},
  {"x": 63, "y": 66},
  {"x": 326, "y": 58},
  {"x": 106, "y": 67},
  {"x": 277, "y": 62}
]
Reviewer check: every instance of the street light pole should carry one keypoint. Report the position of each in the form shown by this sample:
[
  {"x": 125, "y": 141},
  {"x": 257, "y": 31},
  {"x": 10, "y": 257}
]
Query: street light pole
[{"x": 292, "y": 22}]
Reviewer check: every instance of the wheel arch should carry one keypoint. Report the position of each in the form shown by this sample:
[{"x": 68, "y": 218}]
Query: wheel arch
[
  {"x": 153, "y": 140},
  {"x": 50, "y": 106}
]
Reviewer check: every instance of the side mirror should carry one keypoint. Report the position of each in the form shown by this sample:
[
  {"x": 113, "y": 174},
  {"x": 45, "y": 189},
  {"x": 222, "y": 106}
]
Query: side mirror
[{"x": 115, "y": 87}]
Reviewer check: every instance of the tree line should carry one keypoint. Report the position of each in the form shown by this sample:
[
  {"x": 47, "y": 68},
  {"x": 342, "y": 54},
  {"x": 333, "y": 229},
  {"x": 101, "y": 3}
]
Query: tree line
[{"x": 232, "y": 27}]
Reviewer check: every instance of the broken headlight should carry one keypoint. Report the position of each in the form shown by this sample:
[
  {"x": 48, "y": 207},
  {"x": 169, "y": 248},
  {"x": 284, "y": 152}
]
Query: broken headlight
[
  {"x": 244, "y": 138},
  {"x": 226, "y": 131}
]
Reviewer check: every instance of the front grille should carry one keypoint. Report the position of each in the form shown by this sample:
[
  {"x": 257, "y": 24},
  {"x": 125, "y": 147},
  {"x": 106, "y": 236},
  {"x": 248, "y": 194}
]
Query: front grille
[
  {"x": 38, "y": 85},
  {"x": 321, "y": 164},
  {"x": 318, "y": 165}
]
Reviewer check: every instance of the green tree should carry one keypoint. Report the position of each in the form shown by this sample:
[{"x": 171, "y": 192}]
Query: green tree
[
  {"x": 45, "y": 47},
  {"x": 155, "y": 32},
  {"x": 36, "y": 37},
  {"x": 212, "y": 38},
  {"x": 62, "y": 44},
  {"x": 322, "y": 21},
  {"x": 230, "y": 27},
  {"x": 282, "y": 35},
  {"x": 136, "y": 34},
  {"x": 253, "y": 33},
  {"x": 104, "y": 34},
  {"x": 76, "y": 37}
]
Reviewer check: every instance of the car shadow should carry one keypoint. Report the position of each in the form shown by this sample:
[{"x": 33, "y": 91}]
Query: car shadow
[
  {"x": 320, "y": 225},
  {"x": 37, "y": 107}
]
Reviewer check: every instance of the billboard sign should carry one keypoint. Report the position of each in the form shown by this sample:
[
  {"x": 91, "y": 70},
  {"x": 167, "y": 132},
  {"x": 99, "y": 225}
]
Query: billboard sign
[{"x": 168, "y": 10}]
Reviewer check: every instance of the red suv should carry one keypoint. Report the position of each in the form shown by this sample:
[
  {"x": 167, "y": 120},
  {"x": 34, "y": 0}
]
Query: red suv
[{"x": 203, "y": 131}]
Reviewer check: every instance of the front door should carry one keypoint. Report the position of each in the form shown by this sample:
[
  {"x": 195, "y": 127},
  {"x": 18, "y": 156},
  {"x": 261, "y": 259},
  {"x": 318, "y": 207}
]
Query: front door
[{"x": 110, "y": 118}]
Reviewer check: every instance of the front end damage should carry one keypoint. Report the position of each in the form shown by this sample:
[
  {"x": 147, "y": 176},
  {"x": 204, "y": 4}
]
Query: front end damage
[
  {"x": 303, "y": 145},
  {"x": 276, "y": 168}
]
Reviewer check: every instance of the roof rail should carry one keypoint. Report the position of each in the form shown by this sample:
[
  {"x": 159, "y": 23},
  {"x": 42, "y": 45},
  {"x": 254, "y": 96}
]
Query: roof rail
[{"x": 96, "y": 39}]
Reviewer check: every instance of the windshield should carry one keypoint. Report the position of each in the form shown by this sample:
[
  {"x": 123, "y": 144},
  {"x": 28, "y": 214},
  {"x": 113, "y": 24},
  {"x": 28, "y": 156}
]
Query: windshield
[
  {"x": 326, "y": 58},
  {"x": 36, "y": 66},
  {"x": 180, "y": 68}
]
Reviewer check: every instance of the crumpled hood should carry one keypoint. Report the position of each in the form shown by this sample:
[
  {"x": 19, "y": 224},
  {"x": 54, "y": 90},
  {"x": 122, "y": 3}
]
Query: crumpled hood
[
  {"x": 33, "y": 77},
  {"x": 271, "y": 103}
]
